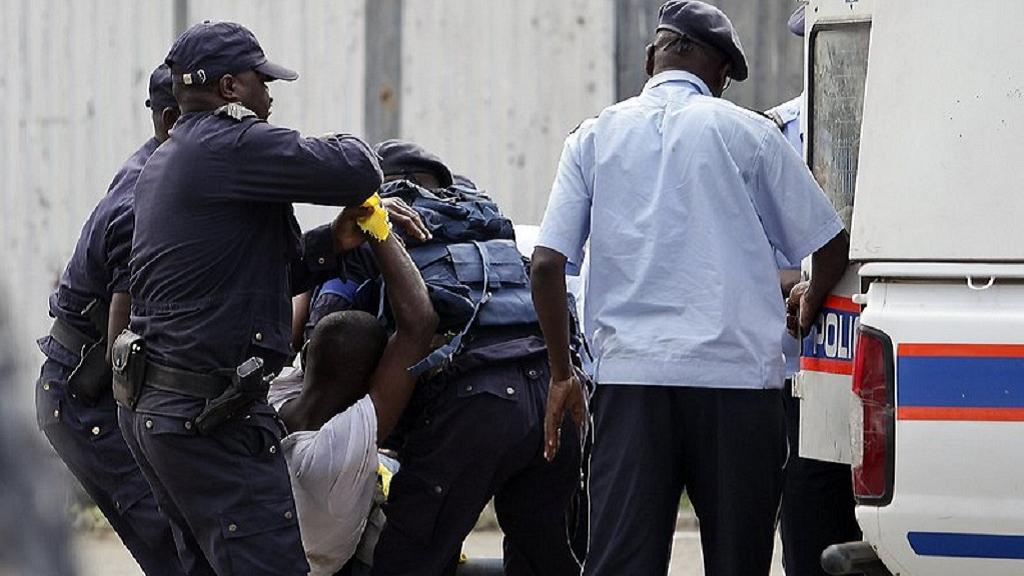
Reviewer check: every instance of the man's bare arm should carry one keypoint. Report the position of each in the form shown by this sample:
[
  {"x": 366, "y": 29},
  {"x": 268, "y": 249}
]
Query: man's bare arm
[
  {"x": 415, "y": 321},
  {"x": 117, "y": 318},
  {"x": 547, "y": 276}
]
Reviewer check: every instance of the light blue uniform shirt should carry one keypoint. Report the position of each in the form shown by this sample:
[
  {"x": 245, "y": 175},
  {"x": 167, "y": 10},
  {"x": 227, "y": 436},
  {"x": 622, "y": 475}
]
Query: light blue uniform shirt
[
  {"x": 788, "y": 114},
  {"x": 685, "y": 198}
]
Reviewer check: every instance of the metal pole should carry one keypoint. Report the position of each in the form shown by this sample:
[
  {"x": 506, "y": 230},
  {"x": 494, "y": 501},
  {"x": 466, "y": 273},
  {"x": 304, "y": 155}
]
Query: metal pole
[
  {"x": 180, "y": 17},
  {"x": 383, "y": 106}
]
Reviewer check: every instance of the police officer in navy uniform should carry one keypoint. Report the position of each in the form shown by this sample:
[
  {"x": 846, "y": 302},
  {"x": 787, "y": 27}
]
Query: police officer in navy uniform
[
  {"x": 216, "y": 257},
  {"x": 472, "y": 432},
  {"x": 817, "y": 499},
  {"x": 74, "y": 404}
]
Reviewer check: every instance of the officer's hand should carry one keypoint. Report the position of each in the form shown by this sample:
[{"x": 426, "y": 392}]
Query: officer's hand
[
  {"x": 345, "y": 229},
  {"x": 404, "y": 217},
  {"x": 562, "y": 395},
  {"x": 794, "y": 310}
]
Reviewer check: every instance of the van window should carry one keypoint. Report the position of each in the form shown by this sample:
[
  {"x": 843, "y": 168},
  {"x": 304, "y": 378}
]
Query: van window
[{"x": 838, "y": 65}]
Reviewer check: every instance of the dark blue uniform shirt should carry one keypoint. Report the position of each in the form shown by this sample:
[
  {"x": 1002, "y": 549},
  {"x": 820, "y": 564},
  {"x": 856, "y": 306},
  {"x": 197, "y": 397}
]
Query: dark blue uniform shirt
[
  {"x": 217, "y": 251},
  {"x": 99, "y": 265}
]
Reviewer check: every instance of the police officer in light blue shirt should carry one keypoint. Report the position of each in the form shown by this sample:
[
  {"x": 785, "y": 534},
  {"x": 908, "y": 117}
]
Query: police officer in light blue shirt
[
  {"x": 685, "y": 199},
  {"x": 817, "y": 498}
]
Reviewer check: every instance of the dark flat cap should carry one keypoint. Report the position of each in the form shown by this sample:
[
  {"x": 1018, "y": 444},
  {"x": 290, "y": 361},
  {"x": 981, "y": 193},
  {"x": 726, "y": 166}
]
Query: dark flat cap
[
  {"x": 796, "y": 20},
  {"x": 400, "y": 157},
  {"x": 160, "y": 94},
  {"x": 705, "y": 23},
  {"x": 209, "y": 50}
]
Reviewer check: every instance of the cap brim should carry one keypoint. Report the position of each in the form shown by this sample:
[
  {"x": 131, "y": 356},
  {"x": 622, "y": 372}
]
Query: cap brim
[
  {"x": 796, "y": 21},
  {"x": 276, "y": 71}
]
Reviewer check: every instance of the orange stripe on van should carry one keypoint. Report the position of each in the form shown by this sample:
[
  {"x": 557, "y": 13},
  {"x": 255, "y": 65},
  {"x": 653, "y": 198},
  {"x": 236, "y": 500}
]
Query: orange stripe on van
[
  {"x": 960, "y": 414},
  {"x": 963, "y": 350}
]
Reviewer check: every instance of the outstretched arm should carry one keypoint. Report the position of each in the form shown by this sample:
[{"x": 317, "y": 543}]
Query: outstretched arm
[{"x": 415, "y": 321}]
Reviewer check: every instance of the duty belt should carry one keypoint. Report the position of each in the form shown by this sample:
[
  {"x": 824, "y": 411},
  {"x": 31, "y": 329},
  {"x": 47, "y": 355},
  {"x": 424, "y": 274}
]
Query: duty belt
[
  {"x": 180, "y": 381},
  {"x": 69, "y": 337}
]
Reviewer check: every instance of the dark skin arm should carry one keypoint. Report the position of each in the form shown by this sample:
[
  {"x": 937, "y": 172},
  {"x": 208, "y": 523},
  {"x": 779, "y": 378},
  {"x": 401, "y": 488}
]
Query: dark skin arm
[
  {"x": 565, "y": 392},
  {"x": 828, "y": 265},
  {"x": 788, "y": 279},
  {"x": 415, "y": 321},
  {"x": 117, "y": 319}
]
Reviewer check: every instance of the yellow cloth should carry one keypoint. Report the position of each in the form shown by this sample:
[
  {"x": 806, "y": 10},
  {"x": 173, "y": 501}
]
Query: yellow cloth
[
  {"x": 384, "y": 478},
  {"x": 376, "y": 224}
]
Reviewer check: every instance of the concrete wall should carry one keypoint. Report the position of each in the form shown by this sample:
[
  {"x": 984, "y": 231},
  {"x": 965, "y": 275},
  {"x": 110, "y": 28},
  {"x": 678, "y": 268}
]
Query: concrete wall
[{"x": 493, "y": 87}]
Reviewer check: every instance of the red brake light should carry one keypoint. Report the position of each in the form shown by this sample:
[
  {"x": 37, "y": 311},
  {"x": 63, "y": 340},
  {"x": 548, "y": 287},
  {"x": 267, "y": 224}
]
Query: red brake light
[{"x": 873, "y": 434}]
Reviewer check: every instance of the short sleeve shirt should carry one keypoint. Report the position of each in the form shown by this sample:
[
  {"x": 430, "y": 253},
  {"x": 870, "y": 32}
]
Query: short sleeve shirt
[
  {"x": 685, "y": 199},
  {"x": 333, "y": 473}
]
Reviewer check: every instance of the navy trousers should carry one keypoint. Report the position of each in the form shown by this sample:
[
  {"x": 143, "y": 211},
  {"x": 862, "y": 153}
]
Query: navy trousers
[
  {"x": 88, "y": 440},
  {"x": 481, "y": 435},
  {"x": 227, "y": 493},
  {"x": 817, "y": 504},
  {"x": 725, "y": 447}
]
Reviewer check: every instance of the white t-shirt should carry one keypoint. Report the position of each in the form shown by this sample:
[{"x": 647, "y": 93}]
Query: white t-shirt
[{"x": 333, "y": 472}]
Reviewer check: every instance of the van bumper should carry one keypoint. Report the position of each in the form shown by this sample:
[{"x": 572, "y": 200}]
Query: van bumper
[{"x": 853, "y": 558}]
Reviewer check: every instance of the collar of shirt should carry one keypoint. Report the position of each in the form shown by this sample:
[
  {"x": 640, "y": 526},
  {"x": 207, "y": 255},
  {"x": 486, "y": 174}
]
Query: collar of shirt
[{"x": 677, "y": 76}]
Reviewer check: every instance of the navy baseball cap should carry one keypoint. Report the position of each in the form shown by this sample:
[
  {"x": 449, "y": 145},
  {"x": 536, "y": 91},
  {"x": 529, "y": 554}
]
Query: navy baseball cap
[
  {"x": 705, "y": 23},
  {"x": 160, "y": 94},
  {"x": 796, "y": 20},
  {"x": 398, "y": 157},
  {"x": 209, "y": 50}
]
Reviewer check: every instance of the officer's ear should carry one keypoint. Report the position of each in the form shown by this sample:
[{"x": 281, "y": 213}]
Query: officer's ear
[
  {"x": 649, "y": 64},
  {"x": 228, "y": 87},
  {"x": 169, "y": 116}
]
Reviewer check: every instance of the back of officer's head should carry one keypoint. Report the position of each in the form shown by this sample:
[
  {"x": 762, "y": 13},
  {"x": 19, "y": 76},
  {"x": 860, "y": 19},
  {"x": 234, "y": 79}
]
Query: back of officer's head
[
  {"x": 343, "y": 353},
  {"x": 403, "y": 160},
  {"x": 699, "y": 38},
  {"x": 161, "y": 102}
]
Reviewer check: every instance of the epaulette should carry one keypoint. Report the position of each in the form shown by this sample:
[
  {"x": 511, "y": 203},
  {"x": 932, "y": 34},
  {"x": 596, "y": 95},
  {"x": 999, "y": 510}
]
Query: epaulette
[
  {"x": 578, "y": 126},
  {"x": 234, "y": 110}
]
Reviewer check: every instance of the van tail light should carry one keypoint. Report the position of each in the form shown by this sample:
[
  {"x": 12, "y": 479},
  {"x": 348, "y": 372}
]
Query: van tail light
[{"x": 872, "y": 419}]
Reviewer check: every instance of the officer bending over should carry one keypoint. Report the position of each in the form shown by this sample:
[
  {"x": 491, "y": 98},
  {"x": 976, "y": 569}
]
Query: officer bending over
[
  {"x": 474, "y": 424},
  {"x": 216, "y": 256},
  {"x": 74, "y": 404},
  {"x": 355, "y": 386}
]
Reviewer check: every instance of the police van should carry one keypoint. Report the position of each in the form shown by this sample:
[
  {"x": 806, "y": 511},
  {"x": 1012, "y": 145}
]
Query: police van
[{"x": 914, "y": 371}]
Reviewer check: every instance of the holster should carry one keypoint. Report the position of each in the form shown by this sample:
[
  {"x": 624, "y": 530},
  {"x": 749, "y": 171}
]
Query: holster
[
  {"x": 91, "y": 378},
  {"x": 128, "y": 357},
  {"x": 247, "y": 387}
]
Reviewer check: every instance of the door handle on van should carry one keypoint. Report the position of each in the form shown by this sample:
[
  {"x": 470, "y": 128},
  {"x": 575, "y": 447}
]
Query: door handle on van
[{"x": 973, "y": 286}]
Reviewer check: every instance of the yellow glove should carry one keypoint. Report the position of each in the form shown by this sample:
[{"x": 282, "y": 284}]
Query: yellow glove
[{"x": 376, "y": 224}]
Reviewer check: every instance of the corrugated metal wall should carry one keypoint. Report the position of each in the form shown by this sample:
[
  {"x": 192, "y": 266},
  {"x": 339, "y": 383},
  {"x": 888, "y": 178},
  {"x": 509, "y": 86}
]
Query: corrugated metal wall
[
  {"x": 493, "y": 87},
  {"x": 72, "y": 88}
]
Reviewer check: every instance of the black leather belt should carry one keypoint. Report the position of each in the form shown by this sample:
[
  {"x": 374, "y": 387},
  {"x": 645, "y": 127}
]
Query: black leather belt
[
  {"x": 178, "y": 381},
  {"x": 69, "y": 337}
]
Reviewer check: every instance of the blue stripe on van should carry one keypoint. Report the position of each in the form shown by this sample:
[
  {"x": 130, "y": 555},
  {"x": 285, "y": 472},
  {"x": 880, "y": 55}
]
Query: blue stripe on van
[{"x": 957, "y": 545}]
